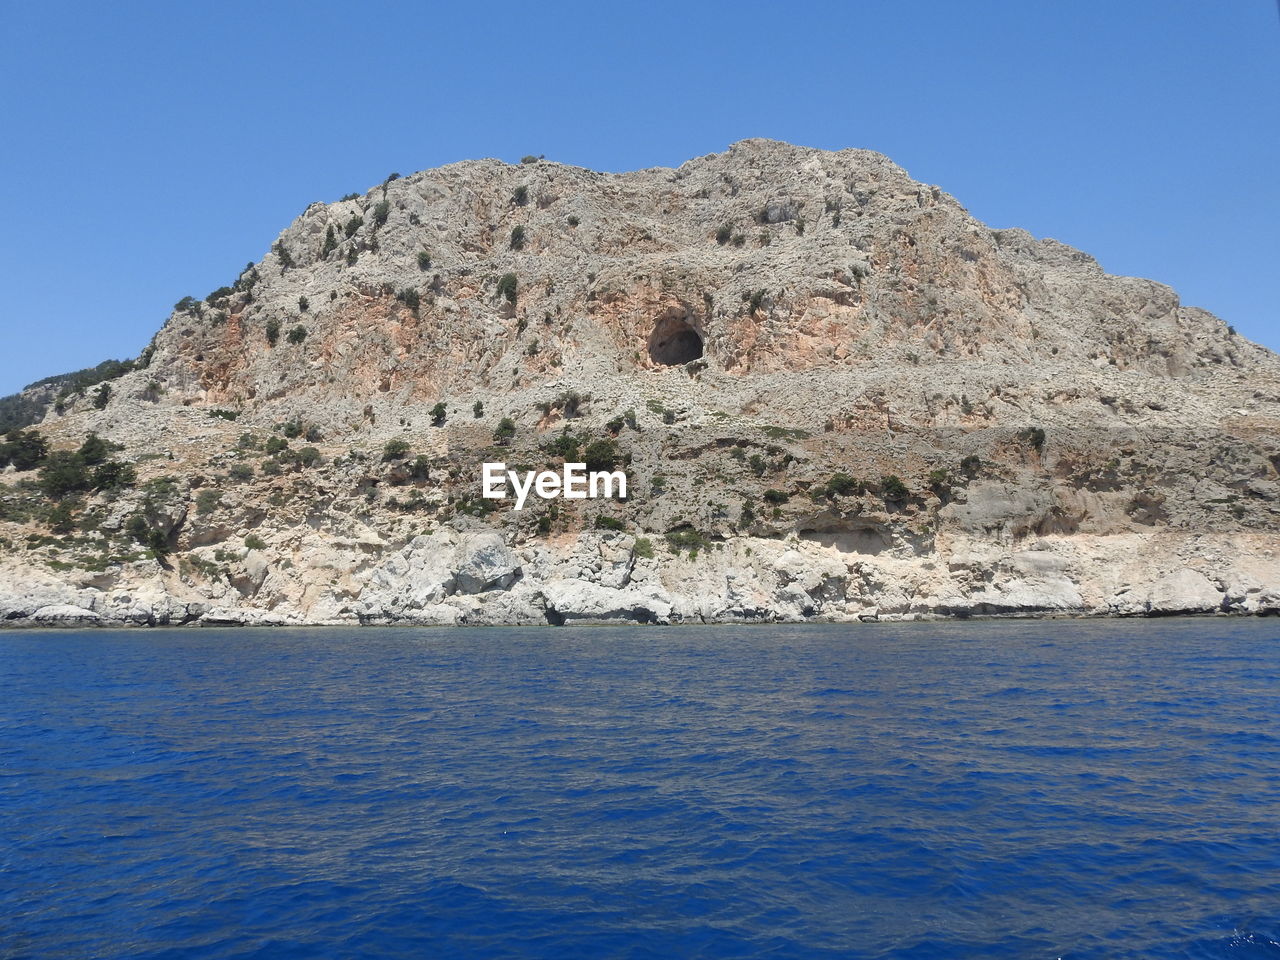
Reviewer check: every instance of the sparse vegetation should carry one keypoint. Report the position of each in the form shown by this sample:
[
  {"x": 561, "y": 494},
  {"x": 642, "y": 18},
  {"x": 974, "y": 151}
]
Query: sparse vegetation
[
  {"x": 352, "y": 225},
  {"x": 273, "y": 331},
  {"x": 505, "y": 430},
  {"x": 424, "y": 260},
  {"x": 477, "y": 409},
  {"x": 283, "y": 255},
  {"x": 643, "y": 548},
  {"x": 517, "y": 238},
  {"x": 396, "y": 449},
  {"x": 297, "y": 334},
  {"x": 438, "y": 414},
  {"x": 380, "y": 212},
  {"x": 520, "y": 196}
]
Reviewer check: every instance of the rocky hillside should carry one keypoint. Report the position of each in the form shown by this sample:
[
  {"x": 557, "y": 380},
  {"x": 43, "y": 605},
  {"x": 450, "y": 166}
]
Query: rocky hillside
[{"x": 837, "y": 395}]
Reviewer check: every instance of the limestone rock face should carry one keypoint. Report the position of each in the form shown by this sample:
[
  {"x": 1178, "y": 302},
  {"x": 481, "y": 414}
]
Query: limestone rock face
[{"x": 836, "y": 396}]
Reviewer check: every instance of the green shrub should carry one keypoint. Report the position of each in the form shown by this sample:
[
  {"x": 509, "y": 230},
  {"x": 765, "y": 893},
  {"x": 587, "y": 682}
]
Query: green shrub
[
  {"x": 220, "y": 414},
  {"x": 350, "y": 196},
  {"x": 507, "y": 287},
  {"x": 241, "y": 472},
  {"x": 352, "y": 225},
  {"x": 505, "y": 431},
  {"x": 600, "y": 455},
  {"x": 254, "y": 542},
  {"x": 757, "y": 464},
  {"x": 94, "y": 449},
  {"x": 747, "y": 517},
  {"x": 643, "y": 548},
  {"x": 63, "y": 473},
  {"x": 62, "y": 518},
  {"x": 1034, "y": 436},
  {"x": 273, "y": 331},
  {"x": 297, "y": 334},
  {"x": 421, "y": 469},
  {"x": 274, "y": 445},
  {"x": 724, "y": 234},
  {"x": 574, "y": 221},
  {"x": 102, "y": 396},
  {"x": 892, "y": 488},
  {"x": 396, "y": 449},
  {"x": 841, "y": 485},
  {"x": 25, "y": 449},
  {"x": 477, "y": 409},
  {"x": 520, "y": 196},
  {"x": 207, "y": 501},
  {"x": 609, "y": 523},
  {"x": 410, "y": 298},
  {"x": 330, "y": 242},
  {"x": 517, "y": 238},
  {"x": 220, "y": 294},
  {"x": 304, "y": 304},
  {"x": 282, "y": 253},
  {"x": 113, "y": 475},
  {"x": 380, "y": 212},
  {"x": 308, "y": 457},
  {"x": 438, "y": 414},
  {"x": 424, "y": 260},
  {"x": 938, "y": 481},
  {"x": 564, "y": 446},
  {"x": 970, "y": 465},
  {"x": 776, "y": 496},
  {"x": 188, "y": 305}
]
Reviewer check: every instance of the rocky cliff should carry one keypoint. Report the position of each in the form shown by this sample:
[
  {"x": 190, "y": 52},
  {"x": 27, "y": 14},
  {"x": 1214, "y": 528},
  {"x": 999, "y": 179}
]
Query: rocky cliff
[{"x": 836, "y": 394}]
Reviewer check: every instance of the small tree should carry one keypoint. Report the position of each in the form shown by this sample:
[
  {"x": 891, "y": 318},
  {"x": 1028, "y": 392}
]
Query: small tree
[
  {"x": 63, "y": 473},
  {"x": 477, "y": 409},
  {"x": 505, "y": 431},
  {"x": 94, "y": 449},
  {"x": 283, "y": 255},
  {"x": 380, "y": 212},
  {"x": 273, "y": 331},
  {"x": 102, "y": 396},
  {"x": 438, "y": 414},
  {"x": 424, "y": 260},
  {"x": 298, "y": 334},
  {"x": 113, "y": 474},
  {"x": 520, "y": 196},
  {"x": 352, "y": 225},
  {"x": 517, "y": 238},
  {"x": 330, "y": 242},
  {"x": 304, "y": 304},
  {"x": 396, "y": 449},
  {"x": 421, "y": 469},
  {"x": 507, "y": 287}
]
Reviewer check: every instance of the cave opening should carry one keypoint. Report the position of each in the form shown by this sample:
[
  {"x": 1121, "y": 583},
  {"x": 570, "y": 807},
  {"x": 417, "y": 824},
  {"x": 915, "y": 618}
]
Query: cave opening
[{"x": 674, "y": 342}]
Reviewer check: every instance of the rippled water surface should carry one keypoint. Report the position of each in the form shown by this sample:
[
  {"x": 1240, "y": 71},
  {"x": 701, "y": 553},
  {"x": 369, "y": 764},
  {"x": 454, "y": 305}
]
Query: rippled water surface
[{"x": 958, "y": 790}]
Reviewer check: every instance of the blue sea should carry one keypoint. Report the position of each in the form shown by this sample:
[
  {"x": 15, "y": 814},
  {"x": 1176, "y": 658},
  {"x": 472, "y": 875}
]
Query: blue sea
[{"x": 984, "y": 789}]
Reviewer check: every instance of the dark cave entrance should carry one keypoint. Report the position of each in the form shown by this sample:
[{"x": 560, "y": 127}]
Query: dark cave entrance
[{"x": 674, "y": 342}]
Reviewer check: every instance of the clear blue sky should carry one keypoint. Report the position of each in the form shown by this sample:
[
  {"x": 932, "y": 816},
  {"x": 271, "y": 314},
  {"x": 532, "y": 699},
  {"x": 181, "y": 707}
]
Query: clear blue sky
[{"x": 151, "y": 149}]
